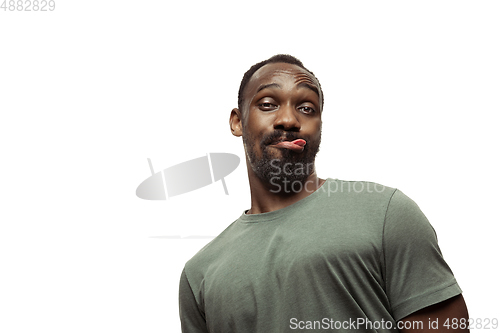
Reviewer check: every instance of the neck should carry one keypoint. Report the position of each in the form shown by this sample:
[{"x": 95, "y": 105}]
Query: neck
[{"x": 265, "y": 197}]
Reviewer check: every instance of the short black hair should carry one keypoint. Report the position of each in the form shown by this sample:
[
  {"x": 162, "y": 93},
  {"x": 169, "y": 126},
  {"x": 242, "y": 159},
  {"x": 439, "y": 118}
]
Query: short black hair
[{"x": 286, "y": 58}]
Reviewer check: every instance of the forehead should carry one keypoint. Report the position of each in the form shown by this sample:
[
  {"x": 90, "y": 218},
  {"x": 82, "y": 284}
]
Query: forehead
[{"x": 276, "y": 72}]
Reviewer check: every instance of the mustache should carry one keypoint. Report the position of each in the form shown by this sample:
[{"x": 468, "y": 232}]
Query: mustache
[{"x": 278, "y": 136}]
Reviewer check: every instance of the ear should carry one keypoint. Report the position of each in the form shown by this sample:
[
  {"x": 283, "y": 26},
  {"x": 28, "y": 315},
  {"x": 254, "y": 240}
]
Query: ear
[{"x": 235, "y": 120}]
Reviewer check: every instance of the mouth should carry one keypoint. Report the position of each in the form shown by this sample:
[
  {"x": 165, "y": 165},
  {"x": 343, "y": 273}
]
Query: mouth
[{"x": 295, "y": 145}]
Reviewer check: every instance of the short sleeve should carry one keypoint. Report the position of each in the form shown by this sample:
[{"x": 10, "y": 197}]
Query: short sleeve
[
  {"x": 416, "y": 273},
  {"x": 192, "y": 319}
]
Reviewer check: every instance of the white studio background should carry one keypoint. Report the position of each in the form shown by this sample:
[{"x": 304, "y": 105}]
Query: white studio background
[{"x": 90, "y": 90}]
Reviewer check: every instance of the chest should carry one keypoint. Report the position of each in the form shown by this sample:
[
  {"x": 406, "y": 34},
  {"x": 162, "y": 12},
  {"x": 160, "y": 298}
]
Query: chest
[{"x": 291, "y": 261}]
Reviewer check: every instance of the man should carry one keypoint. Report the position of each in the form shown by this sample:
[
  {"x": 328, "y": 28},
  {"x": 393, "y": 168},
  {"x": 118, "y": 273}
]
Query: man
[{"x": 313, "y": 254}]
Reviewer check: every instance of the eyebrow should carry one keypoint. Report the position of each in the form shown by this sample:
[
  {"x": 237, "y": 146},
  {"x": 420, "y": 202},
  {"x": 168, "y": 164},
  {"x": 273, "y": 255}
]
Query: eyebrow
[
  {"x": 265, "y": 86},
  {"x": 302, "y": 84},
  {"x": 310, "y": 86}
]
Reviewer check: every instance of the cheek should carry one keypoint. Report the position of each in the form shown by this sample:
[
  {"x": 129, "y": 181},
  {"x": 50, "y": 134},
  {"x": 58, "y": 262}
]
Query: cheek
[
  {"x": 257, "y": 125},
  {"x": 250, "y": 138},
  {"x": 314, "y": 128},
  {"x": 256, "y": 119}
]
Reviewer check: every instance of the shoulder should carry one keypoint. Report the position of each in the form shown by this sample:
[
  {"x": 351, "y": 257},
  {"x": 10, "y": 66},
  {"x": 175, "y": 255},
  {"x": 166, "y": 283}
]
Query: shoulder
[
  {"x": 404, "y": 218},
  {"x": 358, "y": 192},
  {"x": 210, "y": 253},
  {"x": 357, "y": 187},
  {"x": 398, "y": 212}
]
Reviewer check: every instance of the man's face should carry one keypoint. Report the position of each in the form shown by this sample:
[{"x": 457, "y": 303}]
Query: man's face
[{"x": 282, "y": 103}]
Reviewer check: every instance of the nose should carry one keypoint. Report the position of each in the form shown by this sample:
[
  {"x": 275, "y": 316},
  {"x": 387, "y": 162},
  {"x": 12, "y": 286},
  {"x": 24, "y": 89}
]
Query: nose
[{"x": 286, "y": 119}]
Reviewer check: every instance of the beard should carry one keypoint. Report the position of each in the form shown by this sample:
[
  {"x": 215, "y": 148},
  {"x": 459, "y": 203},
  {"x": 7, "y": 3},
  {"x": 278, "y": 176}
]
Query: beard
[{"x": 277, "y": 166}]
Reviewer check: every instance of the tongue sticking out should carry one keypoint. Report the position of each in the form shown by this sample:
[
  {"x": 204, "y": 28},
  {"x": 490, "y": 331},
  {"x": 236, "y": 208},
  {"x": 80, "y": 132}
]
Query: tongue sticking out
[
  {"x": 299, "y": 142},
  {"x": 295, "y": 145}
]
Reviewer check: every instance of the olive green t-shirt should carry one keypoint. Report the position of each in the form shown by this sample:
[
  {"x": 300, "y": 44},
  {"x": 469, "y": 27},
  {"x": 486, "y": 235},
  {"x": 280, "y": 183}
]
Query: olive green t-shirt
[{"x": 350, "y": 257}]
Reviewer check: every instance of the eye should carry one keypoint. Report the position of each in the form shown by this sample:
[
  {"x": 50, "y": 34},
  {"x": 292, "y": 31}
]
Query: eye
[
  {"x": 306, "y": 109},
  {"x": 267, "y": 106}
]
